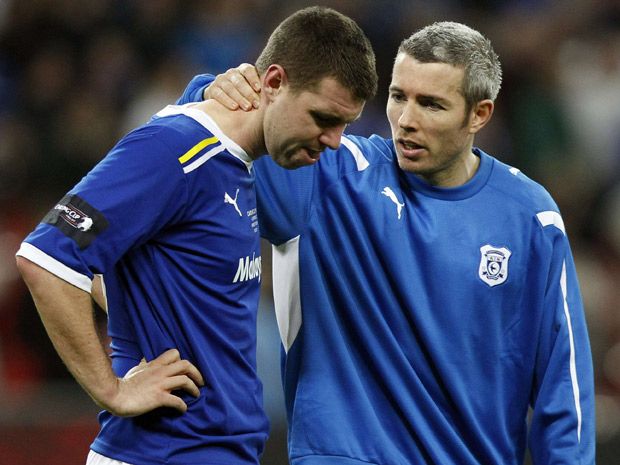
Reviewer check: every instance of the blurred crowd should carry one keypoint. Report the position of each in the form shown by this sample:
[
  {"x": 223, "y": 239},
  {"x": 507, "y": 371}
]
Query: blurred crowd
[{"x": 75, "y": 75}]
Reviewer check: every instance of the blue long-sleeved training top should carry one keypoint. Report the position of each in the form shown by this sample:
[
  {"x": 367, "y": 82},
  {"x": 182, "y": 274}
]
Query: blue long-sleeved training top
[
  {"x": 420, "y": 324},
  {"x": 169, "y": 218}
]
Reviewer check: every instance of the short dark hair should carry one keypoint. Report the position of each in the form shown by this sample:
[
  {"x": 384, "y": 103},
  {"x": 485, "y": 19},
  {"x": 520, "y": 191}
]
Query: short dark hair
[
  {"x": 459, "y": 45},
  {"x": 318, "y": 42}
]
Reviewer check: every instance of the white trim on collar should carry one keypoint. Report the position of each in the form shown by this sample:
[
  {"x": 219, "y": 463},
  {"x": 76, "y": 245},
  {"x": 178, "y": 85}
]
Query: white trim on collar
[{"x": 206, "y": 121}]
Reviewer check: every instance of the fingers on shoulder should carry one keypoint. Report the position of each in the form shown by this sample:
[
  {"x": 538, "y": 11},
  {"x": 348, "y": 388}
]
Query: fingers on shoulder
[
  {"x": 250, "y": 74},
  {"x": 222, "y": 93}
]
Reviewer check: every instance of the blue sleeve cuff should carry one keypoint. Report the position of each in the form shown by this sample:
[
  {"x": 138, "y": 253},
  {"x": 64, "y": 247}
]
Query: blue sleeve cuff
[{"x": 195, "y": 89}]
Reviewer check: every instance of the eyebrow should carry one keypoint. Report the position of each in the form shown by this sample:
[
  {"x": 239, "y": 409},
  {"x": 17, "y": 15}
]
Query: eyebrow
[
  {"x": 432, "y": 97},
  {"x": 329, "y": 119}
]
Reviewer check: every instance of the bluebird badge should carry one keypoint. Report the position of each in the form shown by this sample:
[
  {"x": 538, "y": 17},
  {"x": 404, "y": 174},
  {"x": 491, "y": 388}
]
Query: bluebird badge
[{"x": 493, "y": 264}]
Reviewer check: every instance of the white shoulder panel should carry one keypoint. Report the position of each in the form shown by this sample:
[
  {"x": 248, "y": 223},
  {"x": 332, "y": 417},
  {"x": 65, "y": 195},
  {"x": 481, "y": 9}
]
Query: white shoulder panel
[
  {"x": 286, "y": 296},
  {"x": 360, "y": 159},
  {"x": 549, "y": 218}
]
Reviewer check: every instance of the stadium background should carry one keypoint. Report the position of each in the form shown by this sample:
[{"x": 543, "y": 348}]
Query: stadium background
[{"x": 75, "y": 75}]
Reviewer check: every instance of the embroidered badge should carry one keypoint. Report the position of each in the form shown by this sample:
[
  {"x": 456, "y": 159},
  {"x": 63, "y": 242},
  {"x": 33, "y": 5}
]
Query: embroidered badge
[{"x": 493, "y": 268}]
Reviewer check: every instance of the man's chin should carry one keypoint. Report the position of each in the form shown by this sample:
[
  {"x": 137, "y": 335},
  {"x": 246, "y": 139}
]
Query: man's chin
[
  {"x": 296, "y": 159},
  {"x": 410, "y": 166},
  {"x": 289, "y": 163}
]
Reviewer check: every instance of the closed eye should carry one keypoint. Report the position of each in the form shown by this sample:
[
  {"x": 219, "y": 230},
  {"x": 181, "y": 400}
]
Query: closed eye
[{"x": 326, "y": 121}]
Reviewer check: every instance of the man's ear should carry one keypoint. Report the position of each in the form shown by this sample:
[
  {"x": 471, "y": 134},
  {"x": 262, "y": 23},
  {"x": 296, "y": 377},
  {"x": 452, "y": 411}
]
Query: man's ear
[
  {"x": 273, "y": 80},
  {"x": 481, "y": 115}
]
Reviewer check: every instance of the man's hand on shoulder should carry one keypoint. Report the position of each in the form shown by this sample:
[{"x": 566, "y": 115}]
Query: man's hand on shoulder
[{"x": 236, "y": 88}]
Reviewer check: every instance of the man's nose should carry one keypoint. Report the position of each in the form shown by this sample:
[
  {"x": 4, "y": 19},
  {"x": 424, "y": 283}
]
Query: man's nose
[
  {"x": 408, "y": 118},
  {"x": 330, "y": 137}
]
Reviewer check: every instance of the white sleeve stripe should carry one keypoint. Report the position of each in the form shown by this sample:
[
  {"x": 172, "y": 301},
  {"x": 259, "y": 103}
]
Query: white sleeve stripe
[
  {"x": 286, "y": 298},
  {"x": 548, "y": 218},
  {"x": 573, "y": 365},
  {"x": 551, "y": 218},
  {"x": 360, "y": 159},
  {"x": 55, "y": 267}
]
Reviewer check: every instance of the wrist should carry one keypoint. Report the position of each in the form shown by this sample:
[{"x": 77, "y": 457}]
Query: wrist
[{"x": 107, "y": 396}]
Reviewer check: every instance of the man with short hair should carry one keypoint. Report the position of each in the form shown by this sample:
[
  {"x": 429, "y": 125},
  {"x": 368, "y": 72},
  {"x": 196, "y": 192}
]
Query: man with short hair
[
  {"x": 168, "y": 218},
  {"x": 425, "y": 291}
]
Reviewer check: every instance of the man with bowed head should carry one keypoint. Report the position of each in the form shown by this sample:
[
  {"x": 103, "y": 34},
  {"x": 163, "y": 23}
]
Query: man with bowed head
[
  {"x": 426, "y": 292},
  {"x": 168, "y": 218}
]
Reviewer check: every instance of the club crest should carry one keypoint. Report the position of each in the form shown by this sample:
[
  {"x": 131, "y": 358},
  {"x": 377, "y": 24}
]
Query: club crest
[{"x": 493, "y": 264}]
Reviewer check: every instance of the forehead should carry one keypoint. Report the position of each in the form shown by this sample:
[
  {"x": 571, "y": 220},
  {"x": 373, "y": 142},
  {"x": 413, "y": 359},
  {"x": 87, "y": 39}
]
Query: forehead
[
  {"x": 332, "y": 99},
  {"x": 433, "y": 79}
]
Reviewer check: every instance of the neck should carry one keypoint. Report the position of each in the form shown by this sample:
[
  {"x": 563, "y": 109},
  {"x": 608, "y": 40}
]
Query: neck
[
  {"x": 243, "y": 128},
  {"x": 461, "y": 171},
  {"x": 468, "y": 169}
]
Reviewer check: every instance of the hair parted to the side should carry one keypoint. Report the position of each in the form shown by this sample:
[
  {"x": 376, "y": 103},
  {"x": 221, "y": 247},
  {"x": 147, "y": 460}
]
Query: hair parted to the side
[
  {"x": 459, "y": 45},
  {"x": 318, "y": 42}
]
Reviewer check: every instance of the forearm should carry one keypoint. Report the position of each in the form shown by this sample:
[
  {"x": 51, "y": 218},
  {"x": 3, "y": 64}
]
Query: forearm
[{"x": 67, "y": 314}]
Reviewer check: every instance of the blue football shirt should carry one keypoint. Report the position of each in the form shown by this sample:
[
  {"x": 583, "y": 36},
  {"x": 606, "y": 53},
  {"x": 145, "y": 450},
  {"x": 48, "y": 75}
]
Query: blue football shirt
[
  {"x": 420, "y": 324},
  {"x": 168, "y": 218}
]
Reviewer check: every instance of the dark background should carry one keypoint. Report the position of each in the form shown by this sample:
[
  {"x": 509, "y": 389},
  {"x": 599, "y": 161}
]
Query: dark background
[{"x": 75, "y": 75}]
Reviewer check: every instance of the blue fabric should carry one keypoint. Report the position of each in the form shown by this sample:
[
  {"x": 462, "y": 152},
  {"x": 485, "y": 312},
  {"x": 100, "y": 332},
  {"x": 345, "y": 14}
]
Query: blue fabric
[
  {"x": 195, "y": 89},
  {"x": 432, "y": 318},
  {"x": 408, "y": 351},
  {"x": 182, "y": 270}
]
